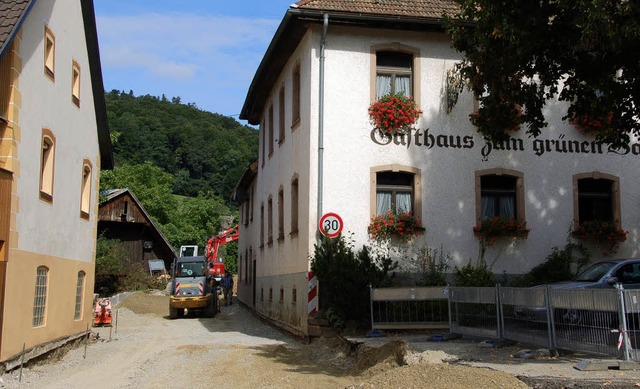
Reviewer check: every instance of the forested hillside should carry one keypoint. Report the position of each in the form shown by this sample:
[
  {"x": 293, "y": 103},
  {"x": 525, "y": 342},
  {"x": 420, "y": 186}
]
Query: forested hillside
[
  {"x": 182, "y": 163},
  {"x": 204, "y": 151}
]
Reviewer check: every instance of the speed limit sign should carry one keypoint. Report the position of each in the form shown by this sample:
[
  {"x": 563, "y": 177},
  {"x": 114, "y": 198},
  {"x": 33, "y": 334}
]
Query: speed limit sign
[{"x": 331, "y": 225}]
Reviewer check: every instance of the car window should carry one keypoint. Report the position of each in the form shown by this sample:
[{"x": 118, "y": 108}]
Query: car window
[
  {"x": 594, "y": 272},
  {"x": 629, "y": 273}
]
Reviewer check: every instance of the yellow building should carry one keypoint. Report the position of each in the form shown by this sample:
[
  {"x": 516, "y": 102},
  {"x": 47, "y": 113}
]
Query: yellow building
[{"x": 53, "y": 142}]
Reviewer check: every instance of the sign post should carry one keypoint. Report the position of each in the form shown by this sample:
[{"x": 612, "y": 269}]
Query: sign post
[{"x": 330, "y": 225}]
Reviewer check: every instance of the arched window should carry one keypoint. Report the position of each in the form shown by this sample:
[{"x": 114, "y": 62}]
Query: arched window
[
  {"x": 40, "y": 297},
  {"x": 396, "y": 188},
  {"x": 499, "y": 192},
  {"x": 79, "y": 295},
  {"x": 596, "y": 197}
]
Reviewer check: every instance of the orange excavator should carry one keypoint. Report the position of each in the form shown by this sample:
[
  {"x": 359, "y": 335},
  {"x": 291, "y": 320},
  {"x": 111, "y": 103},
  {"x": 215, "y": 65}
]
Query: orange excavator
[{"x": 216, "y": 266}]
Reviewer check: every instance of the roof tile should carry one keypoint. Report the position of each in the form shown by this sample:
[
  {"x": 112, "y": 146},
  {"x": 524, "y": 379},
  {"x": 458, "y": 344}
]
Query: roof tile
[
  {"x": 10, "y": 13},
  {"x": 405, "y": 8}
]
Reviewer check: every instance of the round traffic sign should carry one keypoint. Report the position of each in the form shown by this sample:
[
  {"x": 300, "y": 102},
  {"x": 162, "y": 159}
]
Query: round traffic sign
[{"x": 330, "y": 225}]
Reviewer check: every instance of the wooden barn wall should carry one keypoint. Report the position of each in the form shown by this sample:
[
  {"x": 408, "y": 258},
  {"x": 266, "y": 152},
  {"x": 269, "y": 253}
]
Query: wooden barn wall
[
  {"x": 122, "y": 209},
  {"x": 132, "y": 237}
]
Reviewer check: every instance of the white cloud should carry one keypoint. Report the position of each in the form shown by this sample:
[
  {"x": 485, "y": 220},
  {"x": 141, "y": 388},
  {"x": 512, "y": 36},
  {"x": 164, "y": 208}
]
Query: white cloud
[{"x": 181, "y": 43}]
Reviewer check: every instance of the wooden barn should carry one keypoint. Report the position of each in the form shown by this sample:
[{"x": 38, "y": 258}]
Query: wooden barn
[{"x": 122, "y": 217}]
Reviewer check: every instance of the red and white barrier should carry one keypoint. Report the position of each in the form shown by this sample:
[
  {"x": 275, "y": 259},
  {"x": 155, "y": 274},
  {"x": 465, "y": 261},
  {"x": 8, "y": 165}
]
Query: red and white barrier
[{"x": 312, "y": 305}]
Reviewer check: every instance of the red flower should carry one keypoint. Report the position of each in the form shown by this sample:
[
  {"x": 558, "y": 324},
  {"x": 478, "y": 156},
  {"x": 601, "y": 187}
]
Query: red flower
[{"x": 393, "y": 112}]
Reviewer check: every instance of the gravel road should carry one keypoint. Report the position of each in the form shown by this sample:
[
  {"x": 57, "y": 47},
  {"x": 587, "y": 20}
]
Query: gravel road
[{"x": 237, "y": 350}]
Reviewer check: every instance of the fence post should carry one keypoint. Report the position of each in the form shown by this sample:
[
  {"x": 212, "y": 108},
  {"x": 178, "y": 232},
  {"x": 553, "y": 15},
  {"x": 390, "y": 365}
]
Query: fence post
[
  {"x": 371, "y": 304},
  {"x": 499, "y": 315},
  {"x": 551, "y": 328},
  {"x": 622, "y": 313}
]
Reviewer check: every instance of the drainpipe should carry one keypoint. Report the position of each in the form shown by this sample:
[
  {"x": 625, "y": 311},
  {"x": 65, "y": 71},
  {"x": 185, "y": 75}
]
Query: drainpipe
[{"x": 321, "y": 120}]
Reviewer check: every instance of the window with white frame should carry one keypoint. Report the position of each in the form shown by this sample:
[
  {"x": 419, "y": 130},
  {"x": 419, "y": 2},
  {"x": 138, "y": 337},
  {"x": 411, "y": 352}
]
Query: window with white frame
[
  {"x": 394, "y": 73},
  {"x": 597, "y": 197},
  {"x": 294, "y": 205},
  {"x": 499, "y": 192},
  {"x": 295, "y": 98},
  {"x": 394, "y": 192},
  {"x": 40, "y": 297},
  {"x": 396, "y": 188}
]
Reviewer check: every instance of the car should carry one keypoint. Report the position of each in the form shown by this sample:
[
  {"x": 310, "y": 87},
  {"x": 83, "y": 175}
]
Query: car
[{"x": 600, "y": 275}]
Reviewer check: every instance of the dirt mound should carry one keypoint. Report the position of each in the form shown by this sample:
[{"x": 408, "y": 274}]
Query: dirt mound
[
  {"x": 374, "y": 360},
  {"x": 440, "y": 376},
  {"x": 146, "y": 303}
]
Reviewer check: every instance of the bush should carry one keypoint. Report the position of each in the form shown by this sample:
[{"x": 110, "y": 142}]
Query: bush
[
  {"x": 114, "y": 273},
  {"x": 432, "y": 265},
  {"x": 344, "y": 278},
  {"x": 474, "y": 274},
  {"x": 561, "y": 265}
]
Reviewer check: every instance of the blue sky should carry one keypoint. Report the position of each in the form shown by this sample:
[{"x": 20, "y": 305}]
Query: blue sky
[{"x": 205, "y": 51}]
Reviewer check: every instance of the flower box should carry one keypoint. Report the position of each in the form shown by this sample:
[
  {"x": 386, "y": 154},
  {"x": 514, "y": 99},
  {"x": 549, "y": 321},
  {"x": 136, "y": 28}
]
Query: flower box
[
  {"x": 492, "y": 228},
  {"x": 394, "y": 113},
  {"x": 403, "y": 226},
  {"x": 592, "y": 125},
  {"x": 606, "y": 235}
]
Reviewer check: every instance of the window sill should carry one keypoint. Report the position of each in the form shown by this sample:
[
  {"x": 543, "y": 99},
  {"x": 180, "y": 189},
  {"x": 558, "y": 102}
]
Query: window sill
[
  {"x": 46, "y": 197},
  {"x": 295, "y": 124},
  {"x": 75, "y": 100},
  {"x": 293, "y": 233},
  {"x": 270, "y": 243},
  {"x": 84, "y": 215}
]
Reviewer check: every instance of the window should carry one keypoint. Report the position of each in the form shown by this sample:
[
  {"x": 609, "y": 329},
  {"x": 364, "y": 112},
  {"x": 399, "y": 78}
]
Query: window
[
  {"x": 47, "y": 159},
  {"x": 393, "y": 73},
  {"x": 85, "y": 195},
  {"x": 270, "y": 221},
  {"x": 261, "y": 294},
  {"x": 295, "y": 98},
  {"x": 281, "y": 300},
  {"x": 281, "y": 116},
  {"x": 395, "y": 68},
  {"x": 499, "y": 192},
  {"x": 264, "y": 141},
  {"x": 270, "y": 294},
  {"x": 79, "y": 295},
  {"x": 281, "y": 214},
  {"x": 261, "y": 224},
  {"x": 294, "y": 295},
  {"x": 294, "y": 205},
  {"x": 596, "y": 197},
  {"x": 270, "y": 125},
  {"x": 251, "y": 196},
  {"x": 75, "y": 83},
  {"x": 394, "y": 192},
  {"x": 40, "y": 298},
  {"x": 49, "y": 53},
  {"x": 396, "y": 188}
]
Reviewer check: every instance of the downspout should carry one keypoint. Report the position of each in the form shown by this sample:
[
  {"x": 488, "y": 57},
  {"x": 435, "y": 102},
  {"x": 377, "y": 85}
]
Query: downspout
[{"x": 321, "y": 121}]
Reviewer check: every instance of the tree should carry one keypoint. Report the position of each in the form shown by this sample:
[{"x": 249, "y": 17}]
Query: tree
[{"x": 519, "y": 54}]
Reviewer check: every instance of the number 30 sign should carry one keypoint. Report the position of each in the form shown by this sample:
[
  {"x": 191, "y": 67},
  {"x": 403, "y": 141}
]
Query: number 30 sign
[{"x": 331, "y": 224}]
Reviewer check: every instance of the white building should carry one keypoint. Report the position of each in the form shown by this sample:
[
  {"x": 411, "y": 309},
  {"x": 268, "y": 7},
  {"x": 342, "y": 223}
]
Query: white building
[
  {"x": 53, "y": 142},
  {"x": 319, "y": 153}
]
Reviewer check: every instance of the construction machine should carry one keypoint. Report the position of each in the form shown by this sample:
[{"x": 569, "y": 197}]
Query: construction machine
[
  {"x": 216, "y": 266},
  {"x": 102, "y": 313}
]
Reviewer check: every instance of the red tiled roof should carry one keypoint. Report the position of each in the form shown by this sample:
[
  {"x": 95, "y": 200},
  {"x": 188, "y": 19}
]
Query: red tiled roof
[
  {"x": 11, "y": 12},
  {"x": 432, "y": 9}
]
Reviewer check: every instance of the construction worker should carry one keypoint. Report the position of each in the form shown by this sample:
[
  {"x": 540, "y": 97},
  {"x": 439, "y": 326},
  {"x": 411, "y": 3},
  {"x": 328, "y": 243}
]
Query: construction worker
[{"x": 227, "y": 287}]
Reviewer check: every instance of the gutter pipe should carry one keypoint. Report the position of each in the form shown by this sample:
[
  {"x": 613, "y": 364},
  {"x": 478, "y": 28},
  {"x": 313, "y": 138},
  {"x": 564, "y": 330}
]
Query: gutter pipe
[{"x": 321, "y": 121}]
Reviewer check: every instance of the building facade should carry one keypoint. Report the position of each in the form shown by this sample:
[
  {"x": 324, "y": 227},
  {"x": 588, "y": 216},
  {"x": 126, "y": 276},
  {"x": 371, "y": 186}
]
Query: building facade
[
  {"x": 319, "y": 152},
  {"x": 53, "y": 142}
]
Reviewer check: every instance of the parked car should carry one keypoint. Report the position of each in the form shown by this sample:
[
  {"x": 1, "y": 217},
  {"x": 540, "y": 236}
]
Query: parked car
[{"x": 601, "y": 275}]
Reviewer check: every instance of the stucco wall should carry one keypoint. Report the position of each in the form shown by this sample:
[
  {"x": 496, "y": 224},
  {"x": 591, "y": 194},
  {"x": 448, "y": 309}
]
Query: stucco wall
[
  {"x": 44, "y": 228},
  {"x": 51, "y": 234}
]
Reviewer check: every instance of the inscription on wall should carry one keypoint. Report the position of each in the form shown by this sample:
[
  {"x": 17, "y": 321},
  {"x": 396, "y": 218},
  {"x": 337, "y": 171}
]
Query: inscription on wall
[{"x": 539, "y": 147}]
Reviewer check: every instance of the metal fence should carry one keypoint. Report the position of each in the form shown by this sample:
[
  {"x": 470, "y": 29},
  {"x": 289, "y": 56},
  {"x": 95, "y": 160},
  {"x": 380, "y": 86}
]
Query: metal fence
[
  {"x": 598, "y": 321},
  {"x": 409, "y": 308}
]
